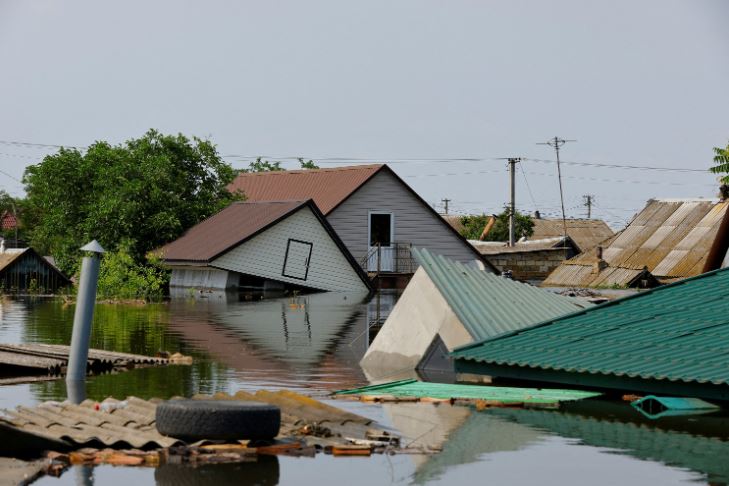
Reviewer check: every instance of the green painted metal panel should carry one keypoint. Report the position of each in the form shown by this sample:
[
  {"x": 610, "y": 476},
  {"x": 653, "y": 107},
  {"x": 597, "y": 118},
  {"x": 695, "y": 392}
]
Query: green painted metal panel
[
  {"x": 489, "y": 305},
  {"x": 675, "y": 333},
  {"x": 421, "y": 389},
  {"x": 654, "y": 407}
]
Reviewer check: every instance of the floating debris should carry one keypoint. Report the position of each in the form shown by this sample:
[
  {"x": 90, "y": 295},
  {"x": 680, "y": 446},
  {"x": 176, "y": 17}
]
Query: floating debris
[{"x": 483, "y": 396}]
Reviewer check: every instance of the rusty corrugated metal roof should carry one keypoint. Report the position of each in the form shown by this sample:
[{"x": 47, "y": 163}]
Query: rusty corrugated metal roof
[
  {"x": 230, "y": 227},
  {"x": 327, "y": 187},
  {"x": 587, "y": 233},
  {"x": 671, "y": 238}
]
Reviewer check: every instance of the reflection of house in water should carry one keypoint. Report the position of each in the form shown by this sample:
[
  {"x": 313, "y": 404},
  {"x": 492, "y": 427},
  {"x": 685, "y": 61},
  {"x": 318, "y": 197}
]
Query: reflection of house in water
[
  {"x": 700, "y": 444},
  {"x": 290, "y": 340},
  {"x": 463, "y": 434}
]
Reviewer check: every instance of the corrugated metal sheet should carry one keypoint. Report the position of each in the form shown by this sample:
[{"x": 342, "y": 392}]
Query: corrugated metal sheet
[
  {"x": 679, "y": 332},
  {"x": 671, "y": 238},
  {"x": 422, "y": 389},
  {"x": 489, "y": 305},
  {"x": 574, "y": 274},
  {"x": 229, "y": 227},
  {"x": 587, "y": 233},
  {"x": 327, "y": 187}
]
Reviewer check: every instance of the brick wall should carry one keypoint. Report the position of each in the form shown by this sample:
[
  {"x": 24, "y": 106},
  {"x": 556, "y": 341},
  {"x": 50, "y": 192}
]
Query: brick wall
[{"x": 530, "y": 265}]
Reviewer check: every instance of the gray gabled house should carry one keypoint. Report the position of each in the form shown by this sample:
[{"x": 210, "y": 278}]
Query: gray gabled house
[{"x": 375, "y": 213}]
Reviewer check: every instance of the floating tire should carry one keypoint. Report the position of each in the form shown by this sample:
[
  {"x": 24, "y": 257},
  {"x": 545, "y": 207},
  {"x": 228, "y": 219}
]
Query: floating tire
[{"x": 192, "y": 420}]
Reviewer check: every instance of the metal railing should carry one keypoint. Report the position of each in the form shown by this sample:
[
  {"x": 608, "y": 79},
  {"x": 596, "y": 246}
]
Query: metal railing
[{"x": 396, "y": 258}]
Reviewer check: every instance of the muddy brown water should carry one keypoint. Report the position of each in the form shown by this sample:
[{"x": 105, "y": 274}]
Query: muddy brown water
[{"x": 312, "y": 344}]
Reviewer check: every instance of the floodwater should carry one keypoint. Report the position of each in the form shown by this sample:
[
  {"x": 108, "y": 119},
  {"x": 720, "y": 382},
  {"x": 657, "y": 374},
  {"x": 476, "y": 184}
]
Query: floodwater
[{"x": 312, "y": 344}]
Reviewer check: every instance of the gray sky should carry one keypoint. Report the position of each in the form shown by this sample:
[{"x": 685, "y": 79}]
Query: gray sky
[{"x": 642, "y": 83}]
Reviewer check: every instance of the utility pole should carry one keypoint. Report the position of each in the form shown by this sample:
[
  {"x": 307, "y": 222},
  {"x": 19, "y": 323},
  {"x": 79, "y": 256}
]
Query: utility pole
[
  {"x": 446, "y": 201},
  {"x": 512, "y": 200},
  {"x": 589, "y": 199},
  {"x": 556, "y": 143}
]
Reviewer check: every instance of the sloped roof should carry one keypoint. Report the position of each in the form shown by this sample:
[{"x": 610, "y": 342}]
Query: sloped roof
[
  {"x": 498, "y": 247},
  {"x": 10, "y": 255},
  {"x": 582, "y": 274},
  {"x": 587, "y": 233},
  {"x": 327, "y": 187},
  {"x": 489, "y": 305},
  {"x": 675, "y": 333},
  {"x": 226, "y": 229},
  {"x": 672, "y": 238}
]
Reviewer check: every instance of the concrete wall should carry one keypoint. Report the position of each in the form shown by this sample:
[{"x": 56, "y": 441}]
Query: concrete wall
[
  {"x": 264, "y": 254},
  {"x": 413, "y": 223},
  {"x": 419, "y": 315},
  {"x": 528, "y": 266}
]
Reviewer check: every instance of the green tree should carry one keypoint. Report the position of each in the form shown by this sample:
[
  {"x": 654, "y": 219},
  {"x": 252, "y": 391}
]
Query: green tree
[
  {"x": 12, "y": 205},
  {"x": 260, "y": 165},
  {"x": 308, "y": 164},
  {"x": 473, "y": 226},
  {"x": 140, "y": 194},
  {"x": 721, "y": 159}
]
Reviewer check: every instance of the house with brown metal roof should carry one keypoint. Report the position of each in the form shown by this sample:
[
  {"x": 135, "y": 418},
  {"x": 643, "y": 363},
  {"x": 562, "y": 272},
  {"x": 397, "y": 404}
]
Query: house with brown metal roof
[
  {"x": 586, "y": 233},
  {"x": 375, "y": 213},
  {"x": 273, "y": 243},
  {"x": 670, "y": 239}
]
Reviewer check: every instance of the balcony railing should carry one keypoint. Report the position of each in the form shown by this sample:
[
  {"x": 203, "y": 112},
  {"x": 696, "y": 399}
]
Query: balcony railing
[{"x": 396, "y": 258}]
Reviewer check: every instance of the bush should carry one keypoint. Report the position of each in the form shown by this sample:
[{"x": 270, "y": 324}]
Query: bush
[{"x": 120, "y": 277}]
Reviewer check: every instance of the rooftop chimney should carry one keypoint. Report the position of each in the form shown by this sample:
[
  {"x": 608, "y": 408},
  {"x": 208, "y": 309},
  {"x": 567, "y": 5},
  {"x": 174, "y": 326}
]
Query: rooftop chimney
[{"x": 599, "y": 264}]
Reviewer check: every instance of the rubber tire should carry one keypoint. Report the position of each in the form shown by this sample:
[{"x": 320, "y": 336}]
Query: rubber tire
[{"x": 193, "y": 420}]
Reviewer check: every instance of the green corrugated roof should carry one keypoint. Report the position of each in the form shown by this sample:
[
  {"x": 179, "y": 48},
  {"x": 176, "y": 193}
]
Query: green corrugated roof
[
  {"x": 489, "y": 305},
  {"x": 679, "y": 332},
  {"x": 422, "y": 389}
]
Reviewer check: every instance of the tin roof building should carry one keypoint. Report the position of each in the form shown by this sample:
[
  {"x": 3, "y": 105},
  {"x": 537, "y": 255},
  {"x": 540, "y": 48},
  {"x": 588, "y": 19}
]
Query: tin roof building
[{"x": 671, "y": 340}]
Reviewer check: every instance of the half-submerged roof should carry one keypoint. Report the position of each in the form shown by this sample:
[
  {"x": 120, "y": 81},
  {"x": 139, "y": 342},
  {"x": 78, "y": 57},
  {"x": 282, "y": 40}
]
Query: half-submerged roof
[
  {"x": 675, "y": 334},
  {"x": 671, "y": 238},
  {"x": 227, "y": 229},
  {"x": 587, "y": 233},
  {"x": 500, "y": 247},
  {"x": 327, "y": 187},
  {"x": 489, "y": 305}
]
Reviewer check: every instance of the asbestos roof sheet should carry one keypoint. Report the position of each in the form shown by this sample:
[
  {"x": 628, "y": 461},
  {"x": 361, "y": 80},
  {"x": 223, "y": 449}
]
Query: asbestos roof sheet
[
  {"x": 498, "y": 247},
  {"x": 678, "y": 332},
  {"x": 587, "y": 233},
  {"x": 671, "y": 238},
  {"x": 82, "y": 425},
  {"x": 575, "y": 274},
  {"x": 227, "y": 229},
  {"x": 487, "y": 304},
  {"x": 327, "y": 187}
]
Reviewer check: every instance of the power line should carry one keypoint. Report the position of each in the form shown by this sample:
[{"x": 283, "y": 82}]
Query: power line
[{"x": 556, "y": 143}]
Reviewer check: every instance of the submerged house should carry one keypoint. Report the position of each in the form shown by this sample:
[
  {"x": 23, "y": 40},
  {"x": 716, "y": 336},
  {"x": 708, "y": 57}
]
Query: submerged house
[
  {"x": 24, "y": 270},
  {"x": 447, "y": 305},
  {"x": 671, "y": 340},
  {"x": 275, "y": 243},
  {"x": 668, "y": 240},
  {"x": 374, "y": 212},
  {"x": 528, "y": 260}
]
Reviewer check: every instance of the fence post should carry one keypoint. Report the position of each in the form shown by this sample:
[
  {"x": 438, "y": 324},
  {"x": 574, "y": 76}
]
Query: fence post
[{"x": 84, "y": 314}]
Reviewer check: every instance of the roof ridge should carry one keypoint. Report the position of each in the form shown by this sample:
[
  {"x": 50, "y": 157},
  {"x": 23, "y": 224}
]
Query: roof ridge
[{"x": 312, "y": 171}]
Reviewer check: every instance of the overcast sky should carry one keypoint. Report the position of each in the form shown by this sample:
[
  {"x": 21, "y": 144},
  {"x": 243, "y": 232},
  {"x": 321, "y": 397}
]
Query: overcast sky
[{"x": 636, "y": 83}]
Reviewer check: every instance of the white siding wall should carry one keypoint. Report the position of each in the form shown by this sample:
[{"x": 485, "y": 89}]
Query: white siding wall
[
  {"x": 413, "y": 223},
  {"x": 202, "y": 278},
  {"x": 263, "y": 255}
]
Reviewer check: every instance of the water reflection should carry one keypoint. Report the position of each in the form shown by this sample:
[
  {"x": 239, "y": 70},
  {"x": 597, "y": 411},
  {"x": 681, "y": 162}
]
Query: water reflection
[
  {"x": 314, "y": 343},
  {"x": 263, "y": 471}
]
